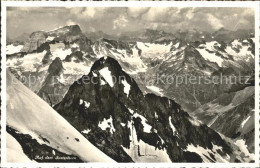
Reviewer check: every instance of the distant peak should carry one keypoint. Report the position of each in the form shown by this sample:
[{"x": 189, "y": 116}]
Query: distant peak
[
  {"x": 222, "y": 29},
  {"x": 75, "y": 29},
  {"x": 38, "y": 33}
]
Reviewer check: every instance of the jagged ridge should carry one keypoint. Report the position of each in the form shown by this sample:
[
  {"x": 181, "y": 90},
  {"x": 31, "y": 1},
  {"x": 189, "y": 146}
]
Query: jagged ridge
[{"x": 87, "y": 105}]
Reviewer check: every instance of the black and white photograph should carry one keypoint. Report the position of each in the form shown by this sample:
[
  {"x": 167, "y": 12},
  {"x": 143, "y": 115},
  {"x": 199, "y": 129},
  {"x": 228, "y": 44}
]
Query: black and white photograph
[{"x": 156, "y": 84}]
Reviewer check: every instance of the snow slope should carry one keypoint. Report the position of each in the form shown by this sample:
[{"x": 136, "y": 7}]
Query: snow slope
[
  {"x": 29, "y": 114},
  {"x": 155, "y": 90},
  {"x": 14, "y": 150}
]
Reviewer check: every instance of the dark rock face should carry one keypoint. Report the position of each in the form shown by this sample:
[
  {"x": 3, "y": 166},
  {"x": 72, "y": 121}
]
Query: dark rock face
[
  {"x": 52, "y": 88},
  {"x": 231, "y": 114},
  {"x": 47, "y": 57},
  {"x": 87, "y": 104},
  {"x": 40, "y": 152},
  {"x": 77, "y": 55},
  {"x": 85, "y": 44}
]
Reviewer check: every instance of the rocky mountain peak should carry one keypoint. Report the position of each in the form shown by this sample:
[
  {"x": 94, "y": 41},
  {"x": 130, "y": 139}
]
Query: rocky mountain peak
[
  {"x": 56, "y": 66},
  {"x": 38, "y": 38},
  {"x": 108, "y": 114},
  {"x": 153, "y": 35},
  {"x": 67, "y": 33},
  {"x": 35, "y": 40},
  {"x": 75, "y": 28},
  {"x": 109, "y": 62},
  {"x": 53, "y": 83},
  {"x": 112, "y": 73},
  {"x": 72, "y": 30},
  {"x": 221, "y": 31},
  {"x": 36, "y": 34}
]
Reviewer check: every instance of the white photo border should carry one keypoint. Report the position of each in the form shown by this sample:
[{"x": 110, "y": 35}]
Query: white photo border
[{"x": 6, "y": 4}]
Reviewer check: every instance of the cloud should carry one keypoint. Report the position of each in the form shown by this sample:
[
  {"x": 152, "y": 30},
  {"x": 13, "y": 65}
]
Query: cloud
[
  {"x": 89, "y": 12},
  {"x": 70, "y": 22},
  {"x": 137, "y": 11},
  {"x": 76, "y": 11},
  {"x": 156, "y": 14},
  {"x": 120, "y": 22},
  {"x": 112, "y": 20},
  {"x": 214, "y": 22},
  {"x": 190, "y": 14},
  {"x": 248, "y": 12}
]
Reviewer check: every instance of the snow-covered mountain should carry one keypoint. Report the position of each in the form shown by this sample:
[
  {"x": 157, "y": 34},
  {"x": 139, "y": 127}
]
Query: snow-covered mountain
[
  {"x": 47, "y": 57},
  {"x": 40, "y": 132},
  {"x": 49, "y": 63},
  {"x": 164, "y": 54},
  {"x": 179, "y": 58},
  {"x": 151, "y": 129}
]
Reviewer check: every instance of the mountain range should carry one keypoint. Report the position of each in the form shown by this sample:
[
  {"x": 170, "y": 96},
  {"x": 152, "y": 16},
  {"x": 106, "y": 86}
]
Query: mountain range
[{"x": 138, "y": 118}]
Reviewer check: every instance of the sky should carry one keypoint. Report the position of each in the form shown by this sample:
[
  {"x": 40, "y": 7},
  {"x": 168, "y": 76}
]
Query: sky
[{"x": 118, "y": 19}]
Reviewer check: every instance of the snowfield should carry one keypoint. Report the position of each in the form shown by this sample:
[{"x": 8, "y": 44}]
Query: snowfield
[
  {"x": 155, "y": 90},
  {"x": 87, "y": 104},
  {"x": 12, "y": 49},
  {"x": 74, "y": 68},
  {"x": 243, "y": 148},
  {"x": 211, "y": 57},
  {"x": 244, "y": 53},
  {"x": 29, "y": 114},
  {"x": 107, "y": 123},
  {"x": 152, "y": 50},
  {"x": 127, "y": 87},
  {"x": 106, "y": 74},
  {"x": 50, "y": 38},
  {"x": 29, "y": 62},
  {"x": 59, "y": 50}
]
